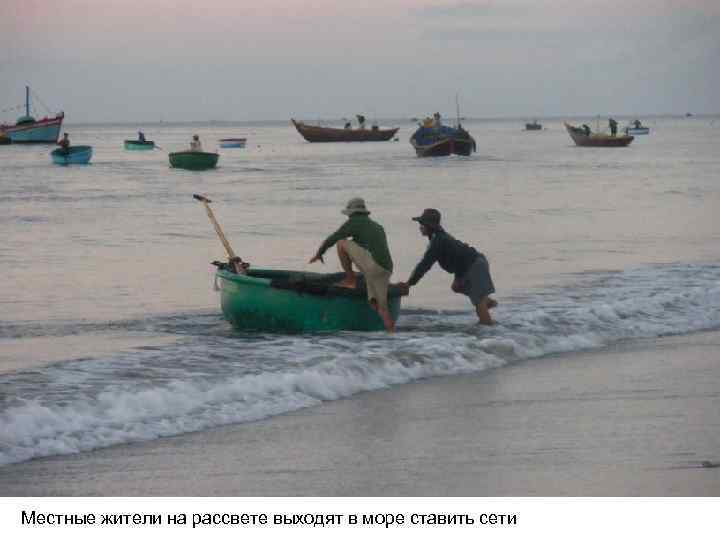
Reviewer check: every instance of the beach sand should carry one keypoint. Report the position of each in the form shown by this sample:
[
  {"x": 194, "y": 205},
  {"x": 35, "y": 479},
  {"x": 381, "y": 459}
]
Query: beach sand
[{"x": 640, "y": 419}]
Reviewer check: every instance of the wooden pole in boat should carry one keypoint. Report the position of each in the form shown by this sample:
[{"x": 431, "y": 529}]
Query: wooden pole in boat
[
  {"x": 234, "y": 259},
  {"x": 457, "y": 108}
]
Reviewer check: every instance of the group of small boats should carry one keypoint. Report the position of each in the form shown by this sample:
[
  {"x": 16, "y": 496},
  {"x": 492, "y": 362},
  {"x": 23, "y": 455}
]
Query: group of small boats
[
  {"x": 260, "y": 299},
  {"x": 27, "y": 130},
  {"x": 187, "y": 159},
  {"x": 432, "y": 138}
]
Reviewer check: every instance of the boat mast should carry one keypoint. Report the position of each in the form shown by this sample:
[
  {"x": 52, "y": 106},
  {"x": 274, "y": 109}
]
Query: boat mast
[
  {"x": 27, "y": 101},
  {"x": 457, "y": 108}
]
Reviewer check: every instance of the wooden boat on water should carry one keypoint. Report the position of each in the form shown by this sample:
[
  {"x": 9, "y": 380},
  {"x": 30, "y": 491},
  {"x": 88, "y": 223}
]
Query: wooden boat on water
[
  {"x": 138, "y": 145},
  {"x": 232, "y": 143},
  {"x": 636, "y": 128},
  {"x": 533, "y": 126},
  {"x": 328, "y": 134},
  {"x": 288, "y": 301},
  {"x": 29, "y": 130},
  {"x": 442, "y": 141},
  {"x": 194, "y": 161},
  {"x": 73, "y": 155},
  {"x": 581, "y": 138}
]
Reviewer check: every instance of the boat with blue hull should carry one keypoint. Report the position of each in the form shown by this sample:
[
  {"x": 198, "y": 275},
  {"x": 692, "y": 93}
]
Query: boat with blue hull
[
  {"x": 29, "y": 130},
  {"x": 130, "y": 144},
  {"x": 442, "y": 141},
  {"x": 636, "y": 128},
  {"x": 233, "y": 143},
  {"x": 73, "y": 155}
]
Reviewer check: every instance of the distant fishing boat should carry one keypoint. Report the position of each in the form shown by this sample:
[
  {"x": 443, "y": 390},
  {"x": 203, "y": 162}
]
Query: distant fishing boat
[
  {"x": 74, "y": 155},
  {"x": 194, "y": 161},
  {"x": 327, "y": 134},
  {"x": 232, "y": 143},
  {"x": 533, "y": 126},
  {"x": 433, "y": 141},
  {"x": 581, "y": 138},
  {"x": 636, "y": 128},
  {"x": 637, "y": 131},
  {"x": 29, "y": 130},
  {"x": 131, "y": 144}
]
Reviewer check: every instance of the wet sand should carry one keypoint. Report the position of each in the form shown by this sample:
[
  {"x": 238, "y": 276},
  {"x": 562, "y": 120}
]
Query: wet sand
[{"x": 640, "y": 419}]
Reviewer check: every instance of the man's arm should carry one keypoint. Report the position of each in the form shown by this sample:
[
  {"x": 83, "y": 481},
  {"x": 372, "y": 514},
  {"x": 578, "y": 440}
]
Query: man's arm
[
  {"x": 344, "y": 231},
  {"x": 431, "y": 255}
]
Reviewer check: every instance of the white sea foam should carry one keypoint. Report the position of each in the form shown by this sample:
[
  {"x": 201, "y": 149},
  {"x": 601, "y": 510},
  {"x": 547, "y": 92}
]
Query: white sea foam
[{"x": 200, "y": 384}]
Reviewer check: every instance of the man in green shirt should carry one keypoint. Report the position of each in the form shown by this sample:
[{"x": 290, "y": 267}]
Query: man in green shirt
[{"x": 362, "y": 241}]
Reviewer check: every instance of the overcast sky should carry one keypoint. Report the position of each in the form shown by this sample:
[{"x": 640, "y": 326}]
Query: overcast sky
[{"x": 175, "y": 60}]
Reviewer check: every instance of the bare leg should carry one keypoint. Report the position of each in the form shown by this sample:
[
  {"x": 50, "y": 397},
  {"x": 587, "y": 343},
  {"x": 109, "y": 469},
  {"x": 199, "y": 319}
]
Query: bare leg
[
  {"x": 387, "y": 320},
  {"x": 350, "y": 281},
  {"x": 384, "y": 315},
  {"x": 483, "y": 312}
]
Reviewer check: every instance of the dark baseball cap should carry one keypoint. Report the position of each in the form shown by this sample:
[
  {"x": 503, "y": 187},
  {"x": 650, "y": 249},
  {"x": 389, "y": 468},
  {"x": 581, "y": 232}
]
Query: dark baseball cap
[{"x": 430, "y": 218}]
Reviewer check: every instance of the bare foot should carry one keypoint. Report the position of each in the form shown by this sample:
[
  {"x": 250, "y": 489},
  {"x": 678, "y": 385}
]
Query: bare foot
[{"x": 346, "y": 284}]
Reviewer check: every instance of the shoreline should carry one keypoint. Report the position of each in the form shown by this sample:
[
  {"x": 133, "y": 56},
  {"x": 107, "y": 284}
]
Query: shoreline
[{"x": 636, "y": 419}]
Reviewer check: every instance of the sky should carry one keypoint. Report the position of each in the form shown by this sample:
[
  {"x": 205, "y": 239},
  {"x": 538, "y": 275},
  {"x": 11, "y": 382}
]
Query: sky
[{"x": 254, "y": 60}]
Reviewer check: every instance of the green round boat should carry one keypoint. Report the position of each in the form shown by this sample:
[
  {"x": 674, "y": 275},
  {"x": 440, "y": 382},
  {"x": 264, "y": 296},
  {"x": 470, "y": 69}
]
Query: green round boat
[
  {"x": 194, "y": 161},
  {"x": 287, "y": 301},
  {"x": 138, "y": 145}
]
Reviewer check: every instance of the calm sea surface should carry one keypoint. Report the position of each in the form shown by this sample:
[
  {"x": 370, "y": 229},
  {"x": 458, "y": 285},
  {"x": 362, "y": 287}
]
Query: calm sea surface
[{"x": 110, "y": 331}]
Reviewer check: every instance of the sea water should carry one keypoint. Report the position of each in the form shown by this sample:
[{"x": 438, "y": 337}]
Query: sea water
[{"x": 111, "y": 331}]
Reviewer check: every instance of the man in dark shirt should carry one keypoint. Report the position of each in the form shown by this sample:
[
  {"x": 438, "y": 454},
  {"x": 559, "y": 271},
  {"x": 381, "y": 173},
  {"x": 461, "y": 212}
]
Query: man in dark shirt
[
  {"x": 362, "y": 241},
  {"x": 471, "y": 268},
  {"x": 613, "y": 126}
]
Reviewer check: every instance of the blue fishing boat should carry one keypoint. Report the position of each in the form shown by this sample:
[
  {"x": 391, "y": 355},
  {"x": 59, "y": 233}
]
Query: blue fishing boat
[
  {"x": 29, "y": 130},
  {"x": 74, "y": 155},
  {"x": 433, "y": 141},
  {"x": 232, "y": 143},
  {"x": 636, "y": 128}
]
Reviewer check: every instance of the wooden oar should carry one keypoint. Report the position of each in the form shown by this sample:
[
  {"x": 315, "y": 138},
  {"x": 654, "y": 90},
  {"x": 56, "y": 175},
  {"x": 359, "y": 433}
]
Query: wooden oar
[{"x": 236, "y": 261}]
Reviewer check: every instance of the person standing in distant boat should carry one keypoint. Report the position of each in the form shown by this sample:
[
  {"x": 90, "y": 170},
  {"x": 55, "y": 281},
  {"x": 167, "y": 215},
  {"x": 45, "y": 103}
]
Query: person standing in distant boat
[
  {"x": 362, "y": 241},
  {"x": 437, "y": 120},
  {"x": 195, "y": 144},
  {"x": 586, "y": 129},
  {"x": 141, "y": 136},
  {"x": 65, "y": 143},
  {"x": 613, "y": 126},
  {"x": 471, "y": 268}
]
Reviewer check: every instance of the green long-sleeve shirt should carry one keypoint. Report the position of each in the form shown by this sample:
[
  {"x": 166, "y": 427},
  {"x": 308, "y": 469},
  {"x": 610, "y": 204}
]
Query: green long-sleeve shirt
[{"x": 367, "y": 233}]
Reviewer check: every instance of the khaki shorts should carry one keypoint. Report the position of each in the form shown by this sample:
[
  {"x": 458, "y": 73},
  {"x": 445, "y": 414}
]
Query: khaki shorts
[{"x": 376, "y": 277}]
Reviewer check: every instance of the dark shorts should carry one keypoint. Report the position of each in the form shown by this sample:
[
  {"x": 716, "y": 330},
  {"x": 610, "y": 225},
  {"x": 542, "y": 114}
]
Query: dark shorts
[{"x": 476, "y": 283}]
